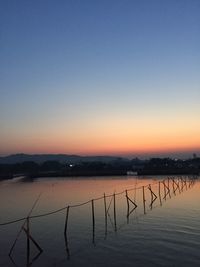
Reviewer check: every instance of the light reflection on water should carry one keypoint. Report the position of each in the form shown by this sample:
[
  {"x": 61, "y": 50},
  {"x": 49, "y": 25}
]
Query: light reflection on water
[{"x": 167, "y": 235}]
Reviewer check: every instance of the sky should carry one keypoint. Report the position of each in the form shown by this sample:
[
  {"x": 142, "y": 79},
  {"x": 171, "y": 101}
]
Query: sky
[{"x": 100, "y": 77}]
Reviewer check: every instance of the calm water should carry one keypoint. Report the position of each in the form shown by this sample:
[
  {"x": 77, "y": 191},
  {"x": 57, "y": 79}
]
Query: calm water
[{"x": 168, "y": 234}]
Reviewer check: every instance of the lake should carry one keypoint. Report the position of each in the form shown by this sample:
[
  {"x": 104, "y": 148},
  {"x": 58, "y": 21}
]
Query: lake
[{"x": 120, "y": 229}]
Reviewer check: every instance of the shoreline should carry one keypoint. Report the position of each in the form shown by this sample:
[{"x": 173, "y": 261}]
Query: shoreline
[{"x": 101, "y": 173}]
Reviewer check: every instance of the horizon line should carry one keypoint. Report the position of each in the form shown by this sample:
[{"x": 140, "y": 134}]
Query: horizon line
[{"x": 168, "y": 154}]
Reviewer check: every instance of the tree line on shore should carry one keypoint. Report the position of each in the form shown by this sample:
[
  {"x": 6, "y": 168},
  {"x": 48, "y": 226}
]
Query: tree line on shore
[{"x": 115, "y": 167}]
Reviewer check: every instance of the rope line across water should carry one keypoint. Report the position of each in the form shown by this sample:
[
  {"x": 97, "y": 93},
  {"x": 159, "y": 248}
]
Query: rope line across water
[{"x": 78, "y": 205}]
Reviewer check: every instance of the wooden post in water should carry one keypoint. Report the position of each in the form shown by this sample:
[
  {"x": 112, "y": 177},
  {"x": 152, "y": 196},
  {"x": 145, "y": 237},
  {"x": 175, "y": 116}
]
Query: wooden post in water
[
  {"x": 26, "y": 228},
  {"x": 186, "y": 183},
  {"x": 151, "y": 192},
  {"x": 67, "y": 247},
  {"x": 28, "y": 242},
  {"x": 114, "y": 211},
  {"x": 127, "y": 207},
  {"x": 66, "y": 220},
  {"x": 65, "y": 233},
  {"x": 164, "y": 190},
  {"x": 152, "y": 199},
  {"x": 153, "y": 195},
  {"x": 127, "y": 199},
  {"x": 178, "y": 186},
  {"x": 181, "y": 183},
  {"x": 159, "y": 193},
  {"x": 144, "y": 200},
  {"x": 190, "y": 182},
  {"x": 173, "y": 186},
  {"x": 93, "y": 222},
  {"x": 106, "y": 215},
  {"x": 33, "y": 240},
  {"x": 168, "y": 186}
]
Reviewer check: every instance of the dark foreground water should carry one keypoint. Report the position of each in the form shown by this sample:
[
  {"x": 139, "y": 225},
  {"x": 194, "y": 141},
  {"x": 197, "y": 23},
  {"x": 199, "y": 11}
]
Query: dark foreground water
[{"x": 162, "y": 231}]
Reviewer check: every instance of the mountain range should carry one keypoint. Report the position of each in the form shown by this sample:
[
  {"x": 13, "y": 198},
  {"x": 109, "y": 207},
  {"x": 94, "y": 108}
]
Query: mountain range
[{"x": 63, "y": 158}]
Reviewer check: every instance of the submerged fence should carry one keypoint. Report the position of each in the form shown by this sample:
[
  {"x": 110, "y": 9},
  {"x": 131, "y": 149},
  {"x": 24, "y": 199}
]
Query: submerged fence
[{"x": 165, "y": 189}]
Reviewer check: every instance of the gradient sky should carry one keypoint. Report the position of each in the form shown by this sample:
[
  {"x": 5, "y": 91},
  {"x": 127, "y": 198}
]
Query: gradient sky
[{"x": 99, "y": 77}]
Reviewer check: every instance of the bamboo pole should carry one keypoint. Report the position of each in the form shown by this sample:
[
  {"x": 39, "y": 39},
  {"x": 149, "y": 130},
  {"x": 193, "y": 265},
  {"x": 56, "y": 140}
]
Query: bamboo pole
[
  {"x": 93, "y": 222},
  {"x": 178, "y": 185},
  {"x": 34, "y": 242},
  {"x": 67, "y": 247},
  {"x": 114, "y": 211},
  {"x": 168, "y": 182},
  {"x": 174, "y": 191},
  {"x": 168, "y": 186},
  {"x": 189, "y": 183},
  {"x": 144, "y": 200},
  {"x": 106, "y": 215},
  {"x": 186, "y": 183},
  {"x": 159, "y": 193},
  {"x": 164, "y": 190},
  {"x": 66, "y": 221},
  {"x": 128, "y": 208},
  {"x": 182, "y": 185},
  {"x": 151, "y": 197},
  {"x": 28, "y": 242},
  {"x": 127, "y": 200},
  {"x": 23, "y": 228},
  {"x": 151, "y": 192},
  {"x": 168, "y": 190}
]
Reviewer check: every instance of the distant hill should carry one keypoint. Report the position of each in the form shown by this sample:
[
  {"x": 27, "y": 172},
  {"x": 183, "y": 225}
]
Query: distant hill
[{"x": 63, "y": 158}]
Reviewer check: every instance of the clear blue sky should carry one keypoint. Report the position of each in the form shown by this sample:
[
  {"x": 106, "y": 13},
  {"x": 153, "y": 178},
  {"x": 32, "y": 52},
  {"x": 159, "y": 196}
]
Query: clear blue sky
[{"x": 72, "y": 72}]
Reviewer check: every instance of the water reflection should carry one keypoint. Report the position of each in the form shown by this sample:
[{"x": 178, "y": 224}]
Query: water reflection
[
  {"x": 143, "y": 195},
  {"x": 26, "y": 229},
  {"x": 30, "y": 241}
]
